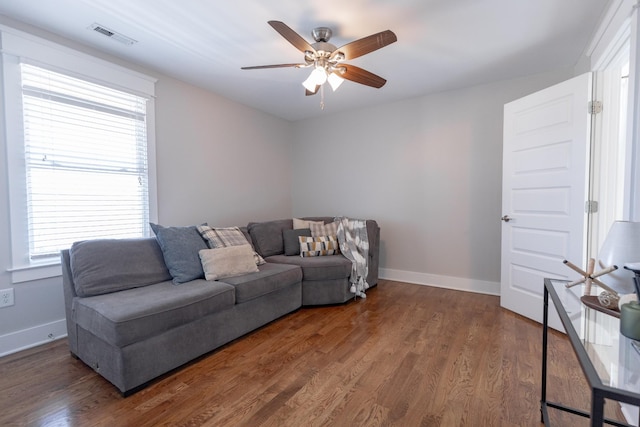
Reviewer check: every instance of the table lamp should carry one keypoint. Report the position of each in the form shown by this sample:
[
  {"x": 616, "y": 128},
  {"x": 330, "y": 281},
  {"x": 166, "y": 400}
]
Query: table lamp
[{"x": 620, "y": 247}]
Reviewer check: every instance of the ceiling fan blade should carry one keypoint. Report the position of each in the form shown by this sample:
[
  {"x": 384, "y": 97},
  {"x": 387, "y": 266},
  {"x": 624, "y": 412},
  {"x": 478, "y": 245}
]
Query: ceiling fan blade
[
  {"x": 366, "y": 44},
  {"x": 258, "y": 67},
  {"x": 358, "y": 75},
  {"x": 291, "y": 36}
]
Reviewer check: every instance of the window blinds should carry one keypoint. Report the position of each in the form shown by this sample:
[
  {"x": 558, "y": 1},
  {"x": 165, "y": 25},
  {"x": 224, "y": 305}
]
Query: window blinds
[{"x": 85, "y": 160}]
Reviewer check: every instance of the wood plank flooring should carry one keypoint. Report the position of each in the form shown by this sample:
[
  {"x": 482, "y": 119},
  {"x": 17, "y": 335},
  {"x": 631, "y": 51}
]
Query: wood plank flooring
[{"x": 408, "y": 355}]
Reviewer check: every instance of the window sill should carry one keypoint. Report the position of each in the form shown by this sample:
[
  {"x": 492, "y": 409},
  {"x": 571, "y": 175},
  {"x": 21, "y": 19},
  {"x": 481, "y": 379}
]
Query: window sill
[{"x": 35, "y": 272}]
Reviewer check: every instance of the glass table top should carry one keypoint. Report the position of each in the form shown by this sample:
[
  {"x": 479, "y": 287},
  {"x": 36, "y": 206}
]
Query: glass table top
[{"x": 613, "y": 356}]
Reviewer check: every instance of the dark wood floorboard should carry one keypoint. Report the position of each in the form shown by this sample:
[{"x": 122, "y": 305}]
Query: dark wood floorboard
[{"x": 408, "y": 355}]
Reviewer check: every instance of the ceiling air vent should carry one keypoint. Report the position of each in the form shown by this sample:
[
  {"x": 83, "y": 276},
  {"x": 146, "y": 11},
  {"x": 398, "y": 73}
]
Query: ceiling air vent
[{"x": 112, "y": 34}]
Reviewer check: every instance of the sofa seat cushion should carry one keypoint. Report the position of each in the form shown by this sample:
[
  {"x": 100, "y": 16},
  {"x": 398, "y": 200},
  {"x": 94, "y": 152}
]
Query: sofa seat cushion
[
  {"x": 317, "y": 268},
  {"x": 270, "y": 278},
  {"x": 125, "y": 317}
]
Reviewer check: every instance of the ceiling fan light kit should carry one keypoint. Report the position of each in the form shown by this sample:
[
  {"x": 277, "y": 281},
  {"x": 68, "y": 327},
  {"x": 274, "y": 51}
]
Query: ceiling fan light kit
[
  {"x": 328, "y": 61},
  {"x": 317, "y": 78}
]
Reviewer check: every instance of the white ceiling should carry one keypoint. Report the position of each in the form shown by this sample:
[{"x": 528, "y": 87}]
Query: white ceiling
[{"x": 442, "y": 44}]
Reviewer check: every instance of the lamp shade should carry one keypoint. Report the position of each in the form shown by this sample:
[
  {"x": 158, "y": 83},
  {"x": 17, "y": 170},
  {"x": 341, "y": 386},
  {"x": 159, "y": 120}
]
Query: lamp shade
[
  {"x": 620, "y": 247},
  {"x": 318, "y": 77},
  {"x": 310, "y": 83},
  {"x": 335, "y": 81}
]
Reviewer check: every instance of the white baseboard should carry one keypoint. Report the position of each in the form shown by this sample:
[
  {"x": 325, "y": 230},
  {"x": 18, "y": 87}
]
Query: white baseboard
[
  {"x": 32, "y": 337},
  {"x": 448, "y": 282}
]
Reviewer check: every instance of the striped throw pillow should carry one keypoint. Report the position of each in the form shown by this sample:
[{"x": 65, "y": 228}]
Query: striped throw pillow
[{"x": 318, "y": 246}]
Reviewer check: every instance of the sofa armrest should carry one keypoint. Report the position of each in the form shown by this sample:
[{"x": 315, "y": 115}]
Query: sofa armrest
[{"x": 69, "y": 290}]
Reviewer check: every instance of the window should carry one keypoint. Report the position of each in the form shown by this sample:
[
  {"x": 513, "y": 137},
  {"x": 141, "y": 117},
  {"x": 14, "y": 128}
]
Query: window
[
  {"x": 80, "y": 150},
  {"x": 85, "y": 151},
  {"x": 610, "y": 148}
]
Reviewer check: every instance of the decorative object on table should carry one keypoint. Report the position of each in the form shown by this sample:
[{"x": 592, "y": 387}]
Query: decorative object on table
[
  {"x": 586, "y": 275},
  {"x": 594, "y": 303},
  {"x": 589, "y": 280},
  {"x": 624, "y": 299},
  {"x": 635, "y": 268},
  {"x": 589, "y": 277},
  {"x": 630, "y": 311},
  {"x": 609, "y": 300},
  {"x": 630, "y": 320},
  {"x": 608, "y": 297},
  {"x": 620, "y": 247}
]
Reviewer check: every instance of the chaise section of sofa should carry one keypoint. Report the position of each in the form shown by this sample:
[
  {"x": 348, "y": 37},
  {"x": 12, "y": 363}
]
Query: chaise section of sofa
[{"x": 325, "y": 278}]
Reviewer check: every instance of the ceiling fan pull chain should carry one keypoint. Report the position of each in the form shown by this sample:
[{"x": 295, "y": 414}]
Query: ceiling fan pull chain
[{"x": 322, "y": 97}]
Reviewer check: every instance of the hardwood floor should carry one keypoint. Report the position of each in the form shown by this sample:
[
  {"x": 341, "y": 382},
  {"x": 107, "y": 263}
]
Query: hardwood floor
[{"x": 408, "y": 355}]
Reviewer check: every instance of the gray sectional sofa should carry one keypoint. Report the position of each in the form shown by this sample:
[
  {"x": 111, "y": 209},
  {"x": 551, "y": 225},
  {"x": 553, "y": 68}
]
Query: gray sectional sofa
[{"x": 130, "y": 322}]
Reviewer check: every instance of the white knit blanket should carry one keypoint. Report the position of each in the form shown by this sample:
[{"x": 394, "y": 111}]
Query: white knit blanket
[{"x": 354, "y": 245}]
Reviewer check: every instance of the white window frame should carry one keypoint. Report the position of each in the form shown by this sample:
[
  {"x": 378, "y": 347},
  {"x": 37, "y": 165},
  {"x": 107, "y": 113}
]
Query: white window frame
[
  {"x": 621, "y": 21},
  {"x": 17, "y": 45},
  {"x": 610, "y": 174}
]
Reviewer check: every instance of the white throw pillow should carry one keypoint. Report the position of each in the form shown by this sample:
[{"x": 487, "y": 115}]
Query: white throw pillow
[
  {"x": 220, "y": 237},
  {"x": 319, "y": 230},
  {"x": 303, "y": 223},
  {"x": 229, "y": 261}
]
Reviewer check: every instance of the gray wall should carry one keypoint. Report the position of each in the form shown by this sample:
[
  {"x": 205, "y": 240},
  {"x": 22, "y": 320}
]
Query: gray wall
[
  {"x": 217, "y": 161},
  {"x": 428, "y": 169}
]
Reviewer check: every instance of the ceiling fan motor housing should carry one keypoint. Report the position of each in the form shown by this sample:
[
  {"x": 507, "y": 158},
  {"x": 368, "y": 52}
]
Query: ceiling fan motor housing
[
  {"x": 321, "y": 34},
  {"x": 323, "y": 48}
]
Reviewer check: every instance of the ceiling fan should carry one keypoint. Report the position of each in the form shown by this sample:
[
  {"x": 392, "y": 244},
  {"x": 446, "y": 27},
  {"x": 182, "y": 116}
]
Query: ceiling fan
[{"x": 328, "y": 61}]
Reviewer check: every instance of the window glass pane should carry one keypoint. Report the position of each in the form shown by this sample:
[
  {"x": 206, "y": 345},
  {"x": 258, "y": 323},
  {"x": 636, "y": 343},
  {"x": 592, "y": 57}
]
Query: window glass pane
[{"x": 86, "y": 161}]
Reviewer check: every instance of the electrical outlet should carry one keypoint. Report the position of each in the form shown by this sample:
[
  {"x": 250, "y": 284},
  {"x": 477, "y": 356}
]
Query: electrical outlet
[{"x": 6, "y": 297}]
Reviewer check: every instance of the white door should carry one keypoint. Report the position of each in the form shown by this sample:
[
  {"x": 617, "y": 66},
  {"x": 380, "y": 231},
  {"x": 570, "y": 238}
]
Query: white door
[{"x": 544, "y": 189}]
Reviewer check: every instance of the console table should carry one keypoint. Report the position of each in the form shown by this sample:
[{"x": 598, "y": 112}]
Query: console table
[{"x": 609, "y": 362}]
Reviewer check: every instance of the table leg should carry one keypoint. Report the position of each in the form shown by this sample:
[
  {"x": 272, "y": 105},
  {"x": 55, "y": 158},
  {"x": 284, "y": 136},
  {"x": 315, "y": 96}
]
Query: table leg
[
  {"x": 545, "y": 329},
  {"x": 597, "y": 409}
]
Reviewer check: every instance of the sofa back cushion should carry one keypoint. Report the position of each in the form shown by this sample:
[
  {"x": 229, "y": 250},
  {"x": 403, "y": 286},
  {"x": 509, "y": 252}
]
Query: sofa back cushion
[
  {"x": 291, "y": 241},
  {"x": 267, "y": 236},
  {"x": 108, "y": 265}
]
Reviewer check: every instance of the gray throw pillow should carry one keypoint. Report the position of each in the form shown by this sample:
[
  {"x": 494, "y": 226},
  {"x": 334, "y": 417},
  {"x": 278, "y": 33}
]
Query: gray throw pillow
[
  {"x": 291, "y": 242},
  {"x": 267, "y": 236},
  {"x": 180, "y": 249}
]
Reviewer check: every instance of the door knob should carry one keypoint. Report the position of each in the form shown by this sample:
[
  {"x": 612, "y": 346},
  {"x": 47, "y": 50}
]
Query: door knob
[{"x": 506, "y": 218}]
